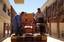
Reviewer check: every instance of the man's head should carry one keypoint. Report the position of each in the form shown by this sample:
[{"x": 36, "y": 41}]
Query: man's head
[
  {"x": 22, "y": 13},
  {"x": 39, "y": 10}
]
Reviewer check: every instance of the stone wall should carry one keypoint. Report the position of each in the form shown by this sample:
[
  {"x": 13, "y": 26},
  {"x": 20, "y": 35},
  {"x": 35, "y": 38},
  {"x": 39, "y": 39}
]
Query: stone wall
[
  {"x": 53, "y": 29},
  {"x": 4, "y": 18}
]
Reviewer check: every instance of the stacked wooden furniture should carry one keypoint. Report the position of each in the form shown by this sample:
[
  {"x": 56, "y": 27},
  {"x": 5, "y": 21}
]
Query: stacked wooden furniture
[{"x": 28, "y": 23}]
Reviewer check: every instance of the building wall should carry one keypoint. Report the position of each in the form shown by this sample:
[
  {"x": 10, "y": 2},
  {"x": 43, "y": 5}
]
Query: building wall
[
  {"x": 54, "y": 29},
  {"x": 1, "y": 28},
  {"x": 48, "y": 3},
  {"x": 61, "y": 25},
  {"x": 55, "y": 18},
  {"x": 4, "y": 18}
]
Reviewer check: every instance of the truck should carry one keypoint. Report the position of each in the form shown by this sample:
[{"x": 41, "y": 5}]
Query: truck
[{"x": 30, "y": 33}]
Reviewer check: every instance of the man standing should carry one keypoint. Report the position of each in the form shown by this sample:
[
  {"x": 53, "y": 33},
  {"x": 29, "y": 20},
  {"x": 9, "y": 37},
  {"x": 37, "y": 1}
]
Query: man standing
[
  {"x": 39, "y": 17},
  {"x": 16, "y": 25}
]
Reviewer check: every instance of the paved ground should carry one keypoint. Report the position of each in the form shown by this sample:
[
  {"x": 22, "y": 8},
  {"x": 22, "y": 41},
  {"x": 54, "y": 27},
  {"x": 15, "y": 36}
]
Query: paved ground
[{"x": 49, "y": 39}]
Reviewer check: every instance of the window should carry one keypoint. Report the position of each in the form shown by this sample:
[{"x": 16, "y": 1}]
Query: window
[{"x": 4, "y": 7}]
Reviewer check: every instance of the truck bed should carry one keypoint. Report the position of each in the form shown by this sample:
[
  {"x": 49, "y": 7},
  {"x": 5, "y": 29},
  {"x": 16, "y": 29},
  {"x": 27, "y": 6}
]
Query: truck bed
[{"x": 38, "y": 38}]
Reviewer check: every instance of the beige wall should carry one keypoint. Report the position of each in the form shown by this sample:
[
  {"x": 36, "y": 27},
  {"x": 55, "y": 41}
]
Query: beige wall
[
  {"x": 1, "y": 27},
  {"x": 54, "y": 29},
  {"x": 61, "y": 28},
  {"x": 4, "y": 18}
]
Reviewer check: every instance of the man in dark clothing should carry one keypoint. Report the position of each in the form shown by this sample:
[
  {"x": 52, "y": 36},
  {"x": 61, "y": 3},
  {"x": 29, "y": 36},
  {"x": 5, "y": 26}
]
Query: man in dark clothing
[
  {"x": 21, "y": 23},
  {"x": 16, "y": 24},
  {"x": 39, "y": 17}
]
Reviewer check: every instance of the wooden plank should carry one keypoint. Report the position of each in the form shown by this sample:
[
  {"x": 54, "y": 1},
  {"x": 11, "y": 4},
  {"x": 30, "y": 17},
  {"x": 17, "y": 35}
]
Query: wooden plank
[{"x": 29, "y": 39}]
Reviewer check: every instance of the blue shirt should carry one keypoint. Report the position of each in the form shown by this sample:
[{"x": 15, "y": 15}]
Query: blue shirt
[{"x": 16, "y": 23}]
